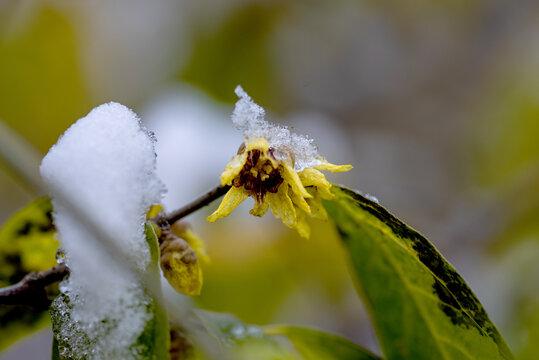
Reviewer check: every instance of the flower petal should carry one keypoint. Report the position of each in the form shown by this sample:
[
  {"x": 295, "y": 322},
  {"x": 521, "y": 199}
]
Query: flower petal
[
  {"x": 282, "y": 207},
  {"x": 292, "y": 178},
  {"x": 317, "y": 209},
  {"x": 299, "y": 201},
  {"x": 312, "y": 177},
  {"x": 258, "y": 144},
  {"x": 333, "y": 168},
  {"x": 261, "y": 207},
  {"x": 233, "y": 168},
  {"x": 302, "y": 226},
  {"x": 233, "y": 198}
]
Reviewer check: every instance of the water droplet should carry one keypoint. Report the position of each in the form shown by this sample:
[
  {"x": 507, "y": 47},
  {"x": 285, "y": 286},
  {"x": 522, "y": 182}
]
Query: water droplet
[{"x": 60, "y": 256}]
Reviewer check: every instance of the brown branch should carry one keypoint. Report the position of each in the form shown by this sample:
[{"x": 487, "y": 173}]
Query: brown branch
[
  {"x": 30, "y": 291},
  {"x": 202, "y": 201}
]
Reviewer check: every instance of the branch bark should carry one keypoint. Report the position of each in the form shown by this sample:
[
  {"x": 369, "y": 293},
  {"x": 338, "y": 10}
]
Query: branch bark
[
  {"x": 30, "y": 291},
  {"x": 202, "y": 201}
]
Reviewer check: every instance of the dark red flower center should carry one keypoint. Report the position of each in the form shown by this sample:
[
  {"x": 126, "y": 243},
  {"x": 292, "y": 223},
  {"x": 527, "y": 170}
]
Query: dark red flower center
[{"x": 258, "y": 174}]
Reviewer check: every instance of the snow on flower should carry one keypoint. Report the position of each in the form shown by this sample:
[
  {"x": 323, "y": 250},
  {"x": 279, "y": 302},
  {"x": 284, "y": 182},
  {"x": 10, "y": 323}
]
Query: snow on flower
[{"x": 279, "y": 169}]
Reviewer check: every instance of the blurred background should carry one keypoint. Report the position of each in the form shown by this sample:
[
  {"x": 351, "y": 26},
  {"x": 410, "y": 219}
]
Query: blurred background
[{"x": 436, "y": 104}]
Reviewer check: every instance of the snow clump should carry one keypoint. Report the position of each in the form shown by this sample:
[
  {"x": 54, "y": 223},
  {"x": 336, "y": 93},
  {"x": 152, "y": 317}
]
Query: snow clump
[{"x": 105, "y": 165}]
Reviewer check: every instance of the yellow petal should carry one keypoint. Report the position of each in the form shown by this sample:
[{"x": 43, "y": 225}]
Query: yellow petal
[
  {"x": 260, "y": 207},
  {"x": 317, "y": 209},
  {"x": 232, "y": 199},
  {"x": 311, "y": 177},
  {"x": 302, "y": 227},
  {"x": 333, "y": 168},
  {"x": 258, "y": 144},
  {"x": 281, "y": 206},
  {"x": 154, "y": 211},
  {"x": 292, "y": 177},
  {"x": 299, "y": 201},
  {"x": 233, "y": 168}
]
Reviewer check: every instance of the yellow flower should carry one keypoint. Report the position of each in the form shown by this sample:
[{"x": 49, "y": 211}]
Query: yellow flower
[{"x": 267, "y": 174}]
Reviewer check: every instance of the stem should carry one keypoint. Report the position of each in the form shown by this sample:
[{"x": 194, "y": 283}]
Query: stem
[
  {"x": 31, "y": 291},
  {"x": 202, "y": 201}
]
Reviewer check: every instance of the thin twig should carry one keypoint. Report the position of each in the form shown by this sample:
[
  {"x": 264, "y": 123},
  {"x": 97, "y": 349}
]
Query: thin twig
[
  {"x": 30, "y": 291},
  {"x": 202, "y": 201}
]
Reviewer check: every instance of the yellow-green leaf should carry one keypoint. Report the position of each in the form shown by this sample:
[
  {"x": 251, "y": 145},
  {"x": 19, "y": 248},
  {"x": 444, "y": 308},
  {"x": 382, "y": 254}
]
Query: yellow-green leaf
[
  {"x": 421, "y": 307},
  {"x": 27, "y": 244}
]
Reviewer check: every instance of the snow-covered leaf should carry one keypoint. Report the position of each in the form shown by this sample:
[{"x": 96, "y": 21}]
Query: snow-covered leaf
[{"x": 153, "y": 342}]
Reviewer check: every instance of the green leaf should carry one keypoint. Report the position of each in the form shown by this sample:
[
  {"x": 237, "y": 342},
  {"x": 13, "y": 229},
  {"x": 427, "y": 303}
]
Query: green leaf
[
  {"x": 153, "y": 244},
  {"x": 421, "y": 307},
  {"x": 156, "y": 337},
  {"x": 55, "y": 352},
  {"x": 318, "y": 345},
  {"x": 241, "y": 341},
  {"x": 27, "y": 244}
]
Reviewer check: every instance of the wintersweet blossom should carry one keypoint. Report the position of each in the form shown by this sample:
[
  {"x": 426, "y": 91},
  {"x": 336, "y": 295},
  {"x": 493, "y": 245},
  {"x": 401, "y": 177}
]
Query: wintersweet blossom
[{"x": 279, "y": 169}]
